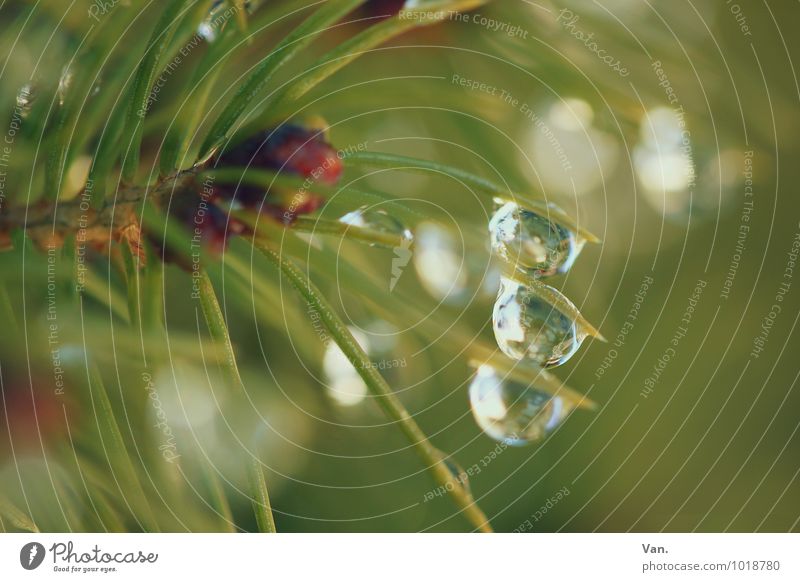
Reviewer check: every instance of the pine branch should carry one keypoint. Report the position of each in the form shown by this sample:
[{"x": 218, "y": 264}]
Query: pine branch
[{"x": 385, "y": 397}]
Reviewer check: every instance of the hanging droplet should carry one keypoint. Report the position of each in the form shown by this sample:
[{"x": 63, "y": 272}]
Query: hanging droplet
[
  {"x": 449, "y": 272},
  {"x": 25, "y": 98},
  {"x": 532, "y": 243},
  {"x": 526, "y": 326},
  {"x": 379, "y": 220},
  {"x": 64, "y": 83},
  {"x": 512, "y": 412}
]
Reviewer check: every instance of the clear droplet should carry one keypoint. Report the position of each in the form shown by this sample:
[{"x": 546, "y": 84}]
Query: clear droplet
[
  {"x": 64, "y": 83},
  {"x": 97, "y": 87},
  {"x": 531, "y": 242},
  {"x": 567, "y": 145},
  {"x": 25, "y": 98},
  {"x": 184, "y": 393},
  {"x": 382, "y": 336},
  {"x": 459, "y": 474},
  {"x": 213, "y": 24},
  {"x": 437, "y": 10},
  {"x": 664, "y": 161},
  {"x": 344, "y": 385},
  {"x": 451, "y": 270},
  {"x": 512, "y": 412},
  {"x": 379, "y": 220},
  {"x": 525, "y": 326}
]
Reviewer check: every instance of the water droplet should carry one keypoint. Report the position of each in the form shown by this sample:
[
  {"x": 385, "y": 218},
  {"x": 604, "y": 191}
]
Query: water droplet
[
  {"x": 531, "y": 242},
  {"x": 512, "y": 412},
  {"x": 213, "y": 24},
  {"x": 218, "y": 16},
  {"x": 345, "y": 385},
  {"x": 25, "y": 98},
  {"x": 206, "y": 32},
  {"x": 97, "y": 87},
  {"x": 572, "y": 155},
  {"x": 379, "y": 220},
  {"x": 448, "y": 272},
  {"x": 64, "y": 83},
  {"x": 459, "y": 474},
  {"x": 438, "y": 10},
  {"x": 525, "y": 326},
  {"x": 572, "y": 114},
  {"x": 663, "y": 161},
  {"x": 184, "y": 392},
  {"x": 382, "y": 336}
]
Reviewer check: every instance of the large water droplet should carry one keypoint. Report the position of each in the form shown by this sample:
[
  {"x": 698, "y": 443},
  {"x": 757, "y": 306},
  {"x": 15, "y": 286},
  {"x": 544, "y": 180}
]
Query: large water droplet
[
  {"x": 525, "y": 326},
  {"x": 512, "y": 412},
  {"x": 451, "y": 270},
  {"x": 379, "y": 220},
  {"x": 531, "y": 242}
]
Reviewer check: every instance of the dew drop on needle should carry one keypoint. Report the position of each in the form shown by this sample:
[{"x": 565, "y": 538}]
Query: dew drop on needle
[
  {"x": 531, "y": 242},
  {"x": 526, "y": 326},
  {"x": 378, "y": 220},
  {"x": 512, "y": 412}
]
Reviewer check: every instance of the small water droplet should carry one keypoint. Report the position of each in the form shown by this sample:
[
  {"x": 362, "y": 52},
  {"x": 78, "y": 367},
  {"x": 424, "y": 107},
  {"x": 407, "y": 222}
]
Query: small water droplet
[
  {"x": 64, "y": 83},
  {"x": 664, "y": 161},
  {"x": 382, "y": 336},
  {"x": 217, "y": 18},
  {"x": 531, "y": 242},
  {"x": 525, "y": 326},
  {"x": 25, "y": 98},
  {"x": 418, "y": 4},
  {"x": 379, "y": 220},
  {"x": 449, "y": 272},
  {"x": 344, "y": 385},
  {"x": 512, "y": 412},
  {"x": 459, "y": 474}
]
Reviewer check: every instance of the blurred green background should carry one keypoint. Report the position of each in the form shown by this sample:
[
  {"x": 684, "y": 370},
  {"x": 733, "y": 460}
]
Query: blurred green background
[{"x": 713, "y": 446}]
